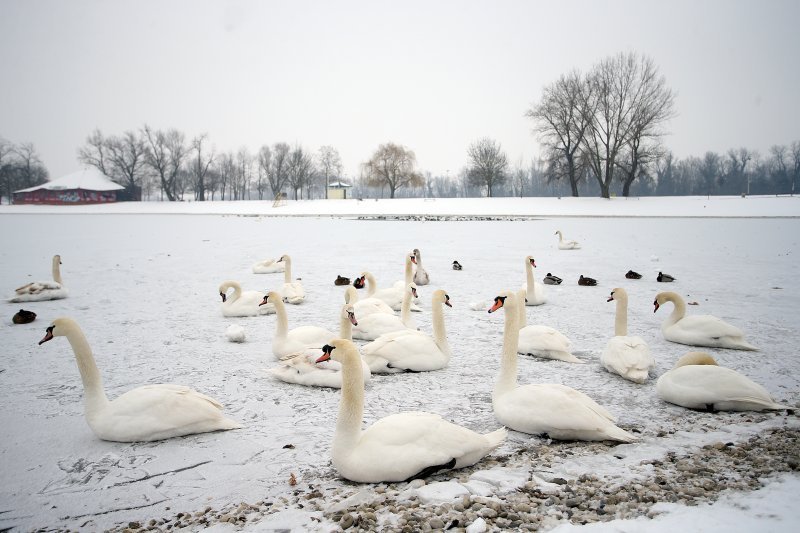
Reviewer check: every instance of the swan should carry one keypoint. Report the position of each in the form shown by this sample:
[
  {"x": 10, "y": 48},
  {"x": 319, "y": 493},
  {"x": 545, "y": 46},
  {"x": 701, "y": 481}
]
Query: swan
[
  {"x": 286, "y": 342},
  {"x": 242, "y": 303},
  {"x": 366, "y": 306},
  {"x": 411, "y": 350},
  {"x": 151, "y": 412},
  {"x": 393, "y": 296},
  {"x": 698, "y": 330},
  {"x": 561, "y": 412},
  {"x": 408, "y": 277},
  {"x": 566, "y": 245},
  {"x": 627, "y": 356},
  {"x": 291, "y": 291},
  {"x": 399, "y": 447},
  {"x": 301, "y": 367},
  {"x": 373, "y": 326},
  {"x": 421, "y": 275},
  {"x": 534, "y": 291},
  {"x": 269, "y": 266},
  {"x": 38, "y": 291},
  {"x": 541, "y": 341},
  {"x": 696, "y": 382}
]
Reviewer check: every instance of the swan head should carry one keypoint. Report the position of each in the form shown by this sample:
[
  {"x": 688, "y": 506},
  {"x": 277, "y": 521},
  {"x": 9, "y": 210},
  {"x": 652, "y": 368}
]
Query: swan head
[
  {"x": 531, "y": 260},
  {"x": 270, "y": 298},
  {"x": 349, "y": 313},
  {"x": 413, "y": 288},
  {"x": 619, "y": 292},
  {"x": 57, "y": 259},
  {"x": 336, "y": 350},
  {"x": 695, "y": 358},
  {"x": 223, "y": 289},
  {"x": 558, "y": 232},
  {"x": 440, "y": 296},
  {"x": 57, "y": 328},
  {"x": 499, "y": 301},
  {"x": 663, "y": 297},
  {"x": 284, "y": 259}
]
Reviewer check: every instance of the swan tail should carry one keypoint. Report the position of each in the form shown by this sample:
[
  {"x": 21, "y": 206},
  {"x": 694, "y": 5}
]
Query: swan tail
[
  {"x": 229, "y": 423},
  {"x": 496, "y": 438},
  {"x": 618, "y": 434}
]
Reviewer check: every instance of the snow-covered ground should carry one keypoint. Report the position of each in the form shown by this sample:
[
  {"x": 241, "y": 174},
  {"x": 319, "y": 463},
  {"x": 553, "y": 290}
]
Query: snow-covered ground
[{"x": 143, "y": 281}]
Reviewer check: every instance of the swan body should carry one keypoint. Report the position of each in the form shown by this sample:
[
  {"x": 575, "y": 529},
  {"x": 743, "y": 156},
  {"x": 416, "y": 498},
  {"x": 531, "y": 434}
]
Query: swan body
[
  {"x": 286, "y": 342},
  {"x": 39, "y": 291},
  {"x": 398, "y": 447},
  {"x": 534, "y": 291},
  {"x": 376, "y": 324},
  {"x": 242, "y": 303},
  {"x": 561, "y": 412},
  {"x": 698, "y": 330},
  {"x": 148, "y": 413},
  {"x": 421, "y": 276},
  {"x": 291, "y": 291},
  {"x": 541, "y": 341},
  {"x": 625, "y": 355},
  {"x": 566, "y": 245},
  {"x": 366, "y": 306},
  {"x": 392, "y": 296},
  {"x": 235, "y": 333},
  {"x": 269, "y": 266},
  {"x": 696, "y": 382},
  {"x": 411, "y": 350}
]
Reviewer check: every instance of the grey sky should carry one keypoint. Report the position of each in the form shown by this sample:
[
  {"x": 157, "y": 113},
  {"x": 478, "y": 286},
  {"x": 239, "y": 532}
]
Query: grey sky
[{"x": 434, "y": 76}]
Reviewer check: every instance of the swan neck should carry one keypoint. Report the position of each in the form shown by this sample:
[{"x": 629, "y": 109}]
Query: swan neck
[
  {"x": 408, "y": 275},
  {"x": 351, "y": 406},
  {"x": 621, "y": 319},
  {"x": 345, "y": 327},
  {"x": 529, "y": 274},
  {"x": 522, "y": 319},
  {"x": 287, "y": 271},
  {"x": 95, "y": 396},
  {"x": 371, "y": 284},
  {"x": 439, "y": 331},
  {"x": 282, "y": 322},
  {"x": 679, "y": 311},
  {"x": 507, "y": 380},
  {"x": 57, "y": 270},
  {"x": 405, "y": 309}
]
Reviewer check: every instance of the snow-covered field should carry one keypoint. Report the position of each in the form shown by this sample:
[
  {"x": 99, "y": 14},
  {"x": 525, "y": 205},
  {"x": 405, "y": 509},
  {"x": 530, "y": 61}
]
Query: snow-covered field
[{"x": 143, "y": 284}]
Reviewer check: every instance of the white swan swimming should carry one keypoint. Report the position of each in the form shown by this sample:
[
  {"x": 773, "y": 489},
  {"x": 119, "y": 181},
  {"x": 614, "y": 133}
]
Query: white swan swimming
[
  {"x": 399, "y": 447},
  {"x": 393, "y": 296},
  {"x": 412, "y": 350},
  {"x": 242, "y": 303},
  {"x": 38, "y": 291},
  {"x": 269, "y": 266},
  {"x": 151, "y": 412},
  {"x": 541, "y": 341},
  {"x": 696, "y": 382},
  {"x": 627, "y": 356},
  {"x": 566, "y": 245},
  {"x": 376, "y": 324},
  {"x": 421, "y": 276},
  {"x": 286, "y": 342},
  {"x": 534, "y": 291},
  {"x": 698, "y": 330},
  {"x": 561, "y": 412},
  {"x": 292, "y": 290},
  {"x": 301, "y": 367},
  {"x": 365, "y": 306}
]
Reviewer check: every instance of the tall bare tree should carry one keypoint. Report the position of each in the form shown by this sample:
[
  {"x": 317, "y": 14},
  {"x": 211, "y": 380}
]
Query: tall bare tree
[
  {"x": 329, "y": 164},
  {"x": 488, "y": 164},
  {"x": 226, "y": 169},
  {"x": 278, "y": 167},
  {"x": 126, "y": 155},
  {"x": 7, "y": 168},
  {"x": 301, "y": 170},
  {"x": 200, "y": 166},
  {"x": 394, "y": 166},
  {"x": 95, "y": 153},
  {"x": 795, "y": 159},
  {"x": 166, "y": 153},
  {"x": 30, "y": 169}
]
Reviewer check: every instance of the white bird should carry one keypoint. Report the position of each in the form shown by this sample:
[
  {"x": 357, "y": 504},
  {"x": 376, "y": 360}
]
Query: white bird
[
  {"x": 365, "y": 306},
  {"x": 624, "y": 355},
  {"x": 301, "y": 367},
  {"x": 696, "y": 382},
  {"x": 399, "y": 447},
  {"x": 411, "y": 350},
  {"x": 235, "y": 333},
  {"x": 698, "y": 330},
  {"x": 566, "y": 245},
  {"x": 421, "y": 276},
  {"x": 534, "y": 291},
  {"x": 541, "y": 341},
  {"x": 561, "y": 412},
  {"x": 291, "y": 291},
  {"x": 242, "y": 303},
  {"x": 393, "y": 296},
  {"x": 374, "y": 325},
  {"x": 269, "y": 266},
  {"x": 38, "y": 291},
  {"x": 148, "y": 413},
  {"x": 286, "y": 342}
]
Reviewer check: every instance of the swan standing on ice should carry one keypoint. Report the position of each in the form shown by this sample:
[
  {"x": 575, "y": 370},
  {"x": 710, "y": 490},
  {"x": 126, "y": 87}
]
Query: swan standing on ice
[
  {"x": 698, "y": 330},
  {"x": 627, "y": 356},
  {"x": 412, "y": 350},
  {"x": 269, "y": 266},
  {"x": 541, "y": 341},
  {"x": 292, "y": 291},
  {"x": 151, "y": 412},
  {"x": 286, "y": 342},
  {"x": 534, "y": 291},
  {"x": 38, "y": 291},
  {"x": 421, "y": 275},
  {"x": 366, "y": 306},
  {"x": 566, "y": 245},
  {"x": 373, "y": 326},
  {"x": 399, "y": 447},
  {"x": 242, "y": 303},
  {"x": 696, "y": 382},
  {"x": 561, "y": 412}
]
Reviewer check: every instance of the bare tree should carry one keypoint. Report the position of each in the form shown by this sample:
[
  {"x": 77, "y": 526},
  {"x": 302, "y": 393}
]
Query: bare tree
[
  {"x": 226, "y": 169},
  {"x": 126, "y": 155},
  {"x": 488, "y": 164},
  {"x": 95, "y": 153},
  {"x": 301, "y": 170},
  {"x": 393, "y": 166},
  {"x": 710, "y": 170},
  {"x": 200, "y": 167},
  {"x": 795, "y": 160},
  {"x": 30, "y": 169},
  {"x": 244, "y": 173},
  {"x": 278, "y": 168},
  {"x": 166, "y": 153},
  {"x": 7, "y": 168},
  {"x": 329, "y": 164}
]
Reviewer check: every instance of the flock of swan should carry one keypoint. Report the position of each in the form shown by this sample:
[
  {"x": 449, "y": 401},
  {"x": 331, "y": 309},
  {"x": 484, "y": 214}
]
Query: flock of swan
[{"x": 418, "y": 443}]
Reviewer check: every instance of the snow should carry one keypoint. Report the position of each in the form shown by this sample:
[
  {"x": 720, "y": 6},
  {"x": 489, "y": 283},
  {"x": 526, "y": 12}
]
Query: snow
[
  {"x": 143, "y": 281},
  {"x": 89, "y": 179}
]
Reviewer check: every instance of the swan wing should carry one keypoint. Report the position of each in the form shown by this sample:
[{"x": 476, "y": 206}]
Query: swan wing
[
  {"x": 629, "y": 357},
  {"x": 696, "y": 386}
]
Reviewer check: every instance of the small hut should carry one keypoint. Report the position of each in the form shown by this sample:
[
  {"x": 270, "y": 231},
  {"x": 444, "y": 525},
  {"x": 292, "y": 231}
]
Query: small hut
[
  {"x": 337, "y": 190},
  {"x": 88, "y": 186}
]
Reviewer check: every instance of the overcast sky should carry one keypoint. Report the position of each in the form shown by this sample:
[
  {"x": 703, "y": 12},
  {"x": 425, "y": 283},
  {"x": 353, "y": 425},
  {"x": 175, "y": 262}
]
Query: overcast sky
[{"x": 434, "y": 76}]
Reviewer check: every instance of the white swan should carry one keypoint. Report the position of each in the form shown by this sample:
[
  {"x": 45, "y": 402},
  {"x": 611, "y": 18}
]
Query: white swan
[
  {"x": 393, "y": 296},
  {"x": 534, "y": 291},
  {"x": 242, "y": 303},
  {"x": 627, "y": 356},
  {"x": 421, "y": 276},
  {"x": 287, "y": 342},
  {"x": 566, "y": 245},
  {"x": 291, "y": 291},
  {"x": 373, "y": 326},
  {"x": 698, "y": 330},
  {"x": 408, "y": 274},
  {"x": 697, "y": 382},
  {"x": 541, "y": 341},
  {"x": 411, "y": 350},
  {"x": 151, "y": 412},
  {"x": 38, "y": 291},
  {"x": 399, "y": 447},
  {"x": 269, "y": 266},
  {"x": 561, "y": 412},
  {"x": 366, "y": 306},
  {"x": 301, "y": 367}
]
